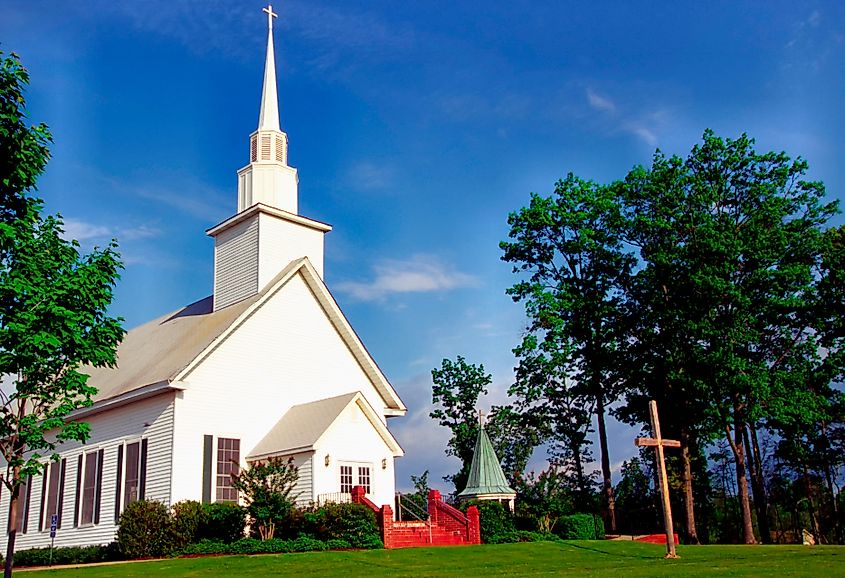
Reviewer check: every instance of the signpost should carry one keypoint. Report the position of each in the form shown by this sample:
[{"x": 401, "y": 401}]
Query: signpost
[
  {"x": 54, "y": 523},
  {"x": 659, "y": 443}
]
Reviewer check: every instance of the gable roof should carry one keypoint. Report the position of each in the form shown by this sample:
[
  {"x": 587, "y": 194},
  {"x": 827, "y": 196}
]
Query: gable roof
[
  {"x": 167, "y": 349},
  {"x": 485, "y": 472},
  {"x": 302, "y": 426}
]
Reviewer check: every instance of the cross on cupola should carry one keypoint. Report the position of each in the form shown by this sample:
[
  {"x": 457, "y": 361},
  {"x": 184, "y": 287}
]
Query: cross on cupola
[{"x": 270, "y": 15}]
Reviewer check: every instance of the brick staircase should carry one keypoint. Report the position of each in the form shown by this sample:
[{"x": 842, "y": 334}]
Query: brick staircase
[{"x": 445, "y": 526}]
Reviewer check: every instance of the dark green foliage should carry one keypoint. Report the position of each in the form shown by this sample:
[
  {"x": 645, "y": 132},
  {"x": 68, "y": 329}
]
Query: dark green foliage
[
  {"x": 355, "y": 524},
  {"x": 68, "y": 555},
  {"x": 523, "y": 536},
  {"x": 222, "y": 522},
  {"x": 580, "y": 527},
  {"x": 635, "y": 500},
  {"x": 189, "y": 517},
  {"x": 144, "y": 530},
  {"x": 495, "y": 519},
  {"x": 270, "y": 546},
  {"x": 542, "y": 499},
  {"x": 267, "y": 487}
]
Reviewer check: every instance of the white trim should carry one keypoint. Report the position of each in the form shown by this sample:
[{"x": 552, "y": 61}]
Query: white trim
[{"x": 273, "y": 211}]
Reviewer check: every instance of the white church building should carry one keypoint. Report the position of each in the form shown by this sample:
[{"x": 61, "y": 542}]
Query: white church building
[{"x": 266, "y": 366}]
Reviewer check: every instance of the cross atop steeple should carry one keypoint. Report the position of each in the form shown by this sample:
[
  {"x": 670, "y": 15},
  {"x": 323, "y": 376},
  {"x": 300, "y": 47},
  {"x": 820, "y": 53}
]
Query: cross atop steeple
[{"x": 270, "y": 15}]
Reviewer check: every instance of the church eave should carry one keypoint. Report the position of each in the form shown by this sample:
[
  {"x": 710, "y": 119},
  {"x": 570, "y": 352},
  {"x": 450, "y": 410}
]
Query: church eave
[
  {"x": 137, "y": 394},
  {"x": 266, "y": 209}
]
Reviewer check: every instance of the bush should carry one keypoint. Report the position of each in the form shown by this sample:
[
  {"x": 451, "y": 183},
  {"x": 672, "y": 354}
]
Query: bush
[
  {"x": 222, "y": 522},
  {"x": 523, "y": 536},
  {"x": 580, "y": 527},
  {"x": 495, "y": 519},
  {"x": 144, "y": 530},
  {"x": 352, "y": 523},
  {"x": 306, "y": 544},
  {"x": 189, "y": 517},
  {"x": 338, "y": 545},
  {"x": 68, "y": 555},
  {"x": 205, "y": 547}
]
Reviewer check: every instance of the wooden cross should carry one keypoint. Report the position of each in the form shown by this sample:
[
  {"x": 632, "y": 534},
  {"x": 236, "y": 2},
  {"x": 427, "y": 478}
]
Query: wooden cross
[
  {"x": 270, "y": 15},
  {"x": 659, "y": 443}
]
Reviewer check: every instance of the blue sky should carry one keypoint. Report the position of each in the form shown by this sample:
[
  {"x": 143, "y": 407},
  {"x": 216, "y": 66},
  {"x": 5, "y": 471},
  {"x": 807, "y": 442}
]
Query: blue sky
[{"x": 416, "y": 128}]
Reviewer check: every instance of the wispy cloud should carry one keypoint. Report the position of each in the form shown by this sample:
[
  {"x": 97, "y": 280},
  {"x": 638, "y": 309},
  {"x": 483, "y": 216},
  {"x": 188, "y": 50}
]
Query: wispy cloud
[
  {"x": 87, "y": 231},
  {"x": 599, "y": 102},
  {"x": 371, "y": 176},
  {"x": 419, "y": 274}
]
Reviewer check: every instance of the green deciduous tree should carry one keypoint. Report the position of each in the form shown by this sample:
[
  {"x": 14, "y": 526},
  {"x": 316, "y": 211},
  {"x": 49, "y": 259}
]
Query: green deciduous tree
[
  {"x": 457, "y": 386},
  {"x": 569, "y": 251},
  {"x": 53, "y": 305},
  {"x": 730, "y": 239},
  {"x": 268, "y": 488}
]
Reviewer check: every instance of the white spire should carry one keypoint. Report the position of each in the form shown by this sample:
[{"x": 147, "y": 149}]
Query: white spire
[{"x": 269, "y": 117}]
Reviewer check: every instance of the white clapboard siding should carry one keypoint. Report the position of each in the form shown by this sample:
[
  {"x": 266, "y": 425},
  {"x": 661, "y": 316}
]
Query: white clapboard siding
[
  {"x": 282, "y": 242},
  {"x": 236, "y": 263},
  {"x": 151, "y": 419},
  {"x": 286, "y": 353}
]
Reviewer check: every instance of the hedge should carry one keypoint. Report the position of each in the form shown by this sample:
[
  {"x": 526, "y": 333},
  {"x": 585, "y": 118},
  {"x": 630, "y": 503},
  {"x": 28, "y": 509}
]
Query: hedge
[
  {"x": 580, "y": 527},
  {"x": 68, "y": 555}
]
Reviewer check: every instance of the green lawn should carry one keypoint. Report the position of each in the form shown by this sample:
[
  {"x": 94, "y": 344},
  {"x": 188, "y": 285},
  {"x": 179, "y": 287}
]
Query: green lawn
[{"x": 615, "y": 559}]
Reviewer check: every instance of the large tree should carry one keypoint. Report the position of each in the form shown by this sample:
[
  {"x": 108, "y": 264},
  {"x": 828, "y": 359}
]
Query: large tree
[
  {"x": 568, "y": 250},
  {"x": 730, "y": 239},
  {"x": 53, "y": 306},
  {"x": 456, "y": 388}
]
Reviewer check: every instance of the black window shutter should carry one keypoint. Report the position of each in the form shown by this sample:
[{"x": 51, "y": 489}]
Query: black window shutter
[
  {"x": 117, "y": 483},
  {"x": 27, "y": 499},
  {"x": 78, "y": 491},
  {"x": 207, "y": 448},
  {"x": 98, "y": 488},
  {"x": 43, "y": 498},
  {"x": 61, "y": 504},
  {"x": 142, "y": 482}
]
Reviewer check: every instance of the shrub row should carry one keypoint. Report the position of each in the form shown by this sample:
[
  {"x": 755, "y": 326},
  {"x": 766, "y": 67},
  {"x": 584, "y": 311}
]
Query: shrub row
[
  {"x": 148, "y": 529},
  {"x": 273, "y": 546},
  {"x": 68, "y": 555},
  {"x": 523, "y": 536},
  {"x": 499, "y": 526}
]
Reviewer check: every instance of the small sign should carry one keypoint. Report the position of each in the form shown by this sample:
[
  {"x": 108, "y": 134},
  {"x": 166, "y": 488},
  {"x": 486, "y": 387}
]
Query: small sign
[{"x": 54, "y": 523}]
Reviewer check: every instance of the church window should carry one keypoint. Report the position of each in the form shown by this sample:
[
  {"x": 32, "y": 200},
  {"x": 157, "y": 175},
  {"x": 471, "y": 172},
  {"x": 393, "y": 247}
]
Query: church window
[
  {"x": 54, "y": 485},
  {"x": 132, "y": 458},
  {"x": 89, "y": 481},
  {"x": 23, "y": 503},
  {"x": 228, "y": 460},
  {"x": 364, "y": 478},
  {"x": 355, "y": 474},
  {"x": 346, "y": 479}
]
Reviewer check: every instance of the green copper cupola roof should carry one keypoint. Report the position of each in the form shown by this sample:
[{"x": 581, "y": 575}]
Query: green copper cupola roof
[{"x": 485, "y": 473}]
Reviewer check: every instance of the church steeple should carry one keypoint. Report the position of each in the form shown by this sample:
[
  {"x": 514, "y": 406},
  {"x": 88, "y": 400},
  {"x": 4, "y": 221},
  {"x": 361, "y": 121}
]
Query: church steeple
[
  {"x": 267, "y": 233},
  {"x": 268, "y": 119},
  {"x": 268, "y": 179}
]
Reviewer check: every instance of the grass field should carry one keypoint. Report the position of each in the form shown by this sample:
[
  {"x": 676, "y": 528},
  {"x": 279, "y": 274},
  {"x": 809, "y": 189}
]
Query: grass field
[{"x": 615, "y": 559}]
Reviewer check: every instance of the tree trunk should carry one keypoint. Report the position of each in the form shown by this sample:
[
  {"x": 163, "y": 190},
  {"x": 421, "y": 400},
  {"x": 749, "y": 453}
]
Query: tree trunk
[
  {"x": 575, "y": 448},
  {"x": 13, "y": 527},
  {"x": 761, "y": 502},
  {"x": 814, "y": 521},
  {"x": 689, "y": 500},
  {"x": 607, "y": 482},
  {"x": 738, "y": 449}
]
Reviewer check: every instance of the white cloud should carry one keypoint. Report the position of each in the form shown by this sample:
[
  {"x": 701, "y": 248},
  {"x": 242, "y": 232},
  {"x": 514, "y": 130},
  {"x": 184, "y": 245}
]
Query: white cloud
[
  {"x": 599, "y": 102},
  {"x": 85, "y": 231},
  {"x": 370, "y": 176},
  {"x": 419, "y": 274}
]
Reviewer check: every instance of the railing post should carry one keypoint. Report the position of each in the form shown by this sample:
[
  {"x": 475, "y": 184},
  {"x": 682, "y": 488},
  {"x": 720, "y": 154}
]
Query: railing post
[
  {"x": 473, "y": 526},
  {"x": 433, "y": 498},
  {"x": 358, "y": 495},
  {"x": 387, "y": 526}
]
